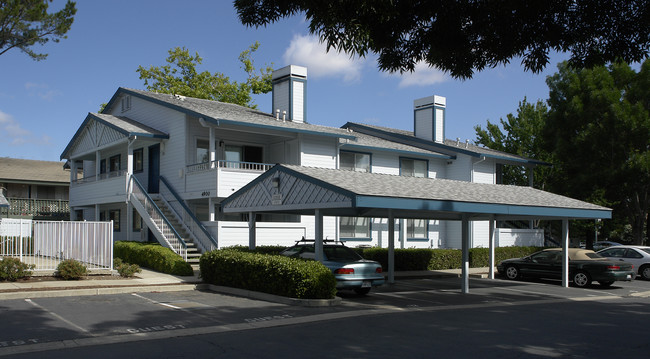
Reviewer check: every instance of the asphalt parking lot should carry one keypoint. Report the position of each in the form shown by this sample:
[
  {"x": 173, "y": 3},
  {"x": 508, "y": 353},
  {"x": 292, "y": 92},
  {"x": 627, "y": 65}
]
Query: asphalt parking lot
[{"x": 34, "y": 325}]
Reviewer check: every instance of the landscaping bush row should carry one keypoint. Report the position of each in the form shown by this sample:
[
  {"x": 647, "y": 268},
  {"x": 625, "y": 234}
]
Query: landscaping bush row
[
  {"x": 284, "y": 276},
  {"x": 436, "y": 259},
  {"x": 152, "y": 255}
]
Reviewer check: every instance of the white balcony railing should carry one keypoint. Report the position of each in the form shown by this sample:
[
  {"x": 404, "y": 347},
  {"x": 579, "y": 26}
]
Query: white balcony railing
[{"x": 235, "y": 165}]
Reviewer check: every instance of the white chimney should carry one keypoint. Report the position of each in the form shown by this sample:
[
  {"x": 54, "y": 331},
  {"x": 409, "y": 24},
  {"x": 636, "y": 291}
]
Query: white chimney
[
  {"x": 429, "y": 115},
  {"x": 289, "y": 89}
]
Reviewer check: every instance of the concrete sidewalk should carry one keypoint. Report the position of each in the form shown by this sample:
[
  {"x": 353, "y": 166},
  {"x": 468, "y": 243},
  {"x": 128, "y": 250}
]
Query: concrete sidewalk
[{"x": 151, "y": 281}]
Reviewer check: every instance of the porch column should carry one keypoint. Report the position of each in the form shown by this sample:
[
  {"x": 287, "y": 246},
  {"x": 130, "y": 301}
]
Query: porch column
[
  {"x": 565, "y": 253},
  {"x": 391, "y": 247},
  {"x": 211, "y": 147},
  {"x": 251, "y": 230},
  {"x": 318, "y": 229},
  {"x": 96, "y": 212},
  {"x": 402, "y": 232},
  {"x": 211, "y": 210},
  {"x": 98, "y": 162},
  {"x": 491, "y": 245},
  {"x": 129, "y": 156},
  {"x": 465, "y": 250},
  {"x": 129, "y": 221},
  {"x": 73, "y": 170}
]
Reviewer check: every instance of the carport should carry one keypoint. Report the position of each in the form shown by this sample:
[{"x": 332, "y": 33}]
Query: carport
[{"x": 330, "y": 192}]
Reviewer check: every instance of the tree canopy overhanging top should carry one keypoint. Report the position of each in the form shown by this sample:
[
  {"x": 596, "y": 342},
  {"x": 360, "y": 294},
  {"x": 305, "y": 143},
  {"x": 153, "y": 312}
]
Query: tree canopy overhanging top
[
  {"x": 464, "y": 36},
  {"x": 25, "y": 23}
]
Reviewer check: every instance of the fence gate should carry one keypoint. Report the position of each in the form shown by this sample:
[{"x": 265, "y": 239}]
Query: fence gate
[{"x": 47, "y": 243}]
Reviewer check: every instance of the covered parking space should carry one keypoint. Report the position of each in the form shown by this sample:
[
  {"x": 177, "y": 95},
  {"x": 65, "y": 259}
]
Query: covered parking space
[{"x": 330, "y": 192}]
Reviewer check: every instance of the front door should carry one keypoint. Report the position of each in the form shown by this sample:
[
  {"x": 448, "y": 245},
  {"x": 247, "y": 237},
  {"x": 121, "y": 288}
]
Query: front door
[{"x": 154, "y": 168}]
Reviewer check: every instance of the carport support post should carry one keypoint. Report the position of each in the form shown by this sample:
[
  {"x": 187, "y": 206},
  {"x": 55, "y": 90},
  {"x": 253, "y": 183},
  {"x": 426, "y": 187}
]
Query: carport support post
[
  {"x": 565, "y": 253},
  {"x": 465, "y": 249},
  {"x": 391, "y": 247},
  {"x": 491, "y": 245},
  {"x": 318, "y": 239},
  {"x": 251, "y": 230}
]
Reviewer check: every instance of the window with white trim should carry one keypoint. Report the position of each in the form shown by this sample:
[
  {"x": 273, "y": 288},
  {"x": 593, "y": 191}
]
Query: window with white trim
[
  {"x": 354, "y": 161},
  {"x": 417, "y": 229},
  {"x": 410, "y": 167},
  {"x": 354, "y": 227}
]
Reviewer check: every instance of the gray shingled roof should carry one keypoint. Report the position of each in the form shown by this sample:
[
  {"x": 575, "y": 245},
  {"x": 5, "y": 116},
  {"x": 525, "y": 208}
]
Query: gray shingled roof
[
  {"x": 384, "y": 185},
  {"x": 231, "y": 113},
  {"x": 128, "y": 126},
  {"x": 302, "y": 190},
  {"x": 448, "y": 145},
  {"x": 365, "y": 141},
  {"x": 19, "y": 170}
]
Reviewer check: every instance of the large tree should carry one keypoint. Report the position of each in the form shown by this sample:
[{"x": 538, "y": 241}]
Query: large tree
[
  {"x": 519, "y": 134},
  {"x": 25, "y": 23},
  {"x": 181, "y": 77},
  {"x": 463, "y": 36},
  {"x": 599, "y": 131}
]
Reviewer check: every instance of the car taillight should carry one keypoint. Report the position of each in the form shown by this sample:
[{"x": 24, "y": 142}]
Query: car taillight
[
  {"x": 378, "y": 270},
  {"x": 612, "y": 267},
  {"x": 344, "y": 271}
]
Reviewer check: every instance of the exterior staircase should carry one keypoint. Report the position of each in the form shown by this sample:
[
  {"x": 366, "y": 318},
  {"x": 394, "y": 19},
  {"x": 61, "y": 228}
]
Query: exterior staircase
[{"x": 193, "y": 252}]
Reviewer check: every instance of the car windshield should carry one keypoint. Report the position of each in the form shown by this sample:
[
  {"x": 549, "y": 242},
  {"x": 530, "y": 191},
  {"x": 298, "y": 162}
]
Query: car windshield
[
  {"x": 594, "y": 255},
  {"x": 340, "y": 253}
]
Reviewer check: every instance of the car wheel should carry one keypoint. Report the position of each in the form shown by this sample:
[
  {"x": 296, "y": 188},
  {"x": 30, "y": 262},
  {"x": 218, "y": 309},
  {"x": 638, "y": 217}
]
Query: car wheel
[
  {"x": 512, "y": 273},
  {"x": 645, "y": 272},
  {"x": 581, "y": 279},
  {"x": 605, "y": 283},
  {"x": 362, "y": 291}
]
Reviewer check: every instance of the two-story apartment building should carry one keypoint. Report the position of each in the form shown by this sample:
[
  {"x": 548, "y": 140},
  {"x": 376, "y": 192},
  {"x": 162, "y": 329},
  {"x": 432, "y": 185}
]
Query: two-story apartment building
[{"x": 165, "y": 162}]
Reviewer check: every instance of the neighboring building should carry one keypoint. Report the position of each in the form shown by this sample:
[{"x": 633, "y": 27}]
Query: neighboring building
[
  {"x": 188, "y": 154},
  {"x": 34, "y": 189}
]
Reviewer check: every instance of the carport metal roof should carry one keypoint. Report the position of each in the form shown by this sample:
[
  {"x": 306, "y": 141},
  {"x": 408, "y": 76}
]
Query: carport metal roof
[{"x": 331, "y": 192}]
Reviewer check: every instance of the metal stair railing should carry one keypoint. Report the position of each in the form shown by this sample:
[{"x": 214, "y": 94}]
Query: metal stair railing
[
  {"x": 167, "y": 234},
  {"x": 197, "y": 230}
]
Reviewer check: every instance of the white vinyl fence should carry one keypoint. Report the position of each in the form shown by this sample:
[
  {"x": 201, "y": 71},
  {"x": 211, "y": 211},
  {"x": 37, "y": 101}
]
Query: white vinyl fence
[{"x": 47, "y": 243}]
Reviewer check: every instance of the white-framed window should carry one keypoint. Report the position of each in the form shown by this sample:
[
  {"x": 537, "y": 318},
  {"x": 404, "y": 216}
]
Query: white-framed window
[
  {"x": 126, "y": 103},
  {"x": 411, "y": 167},
  {"x": 202, "y": 150},
  {"x": 417, "y": 229},
  {"x": 354, "y": 161},
  {"x": 354, "y": 227},
  {"x": 138, "y": 160}
]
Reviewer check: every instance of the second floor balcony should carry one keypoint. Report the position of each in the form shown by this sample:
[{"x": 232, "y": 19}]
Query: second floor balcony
[{"x": 221, "y": 178}]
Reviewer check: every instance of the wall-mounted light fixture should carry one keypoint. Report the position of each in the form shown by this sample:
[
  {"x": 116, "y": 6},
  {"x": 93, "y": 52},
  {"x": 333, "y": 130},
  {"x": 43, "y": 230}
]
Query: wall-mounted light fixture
[
  {"x": 221, "y": 143},
  {"x": 275, "y": 182}
]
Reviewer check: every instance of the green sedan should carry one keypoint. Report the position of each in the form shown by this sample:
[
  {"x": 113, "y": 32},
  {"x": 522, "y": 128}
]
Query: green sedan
[{"x": 585, "y": 266}]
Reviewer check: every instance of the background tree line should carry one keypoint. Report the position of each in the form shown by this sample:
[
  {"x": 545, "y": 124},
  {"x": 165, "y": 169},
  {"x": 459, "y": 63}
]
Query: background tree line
[{"x": 595, "y": 131}]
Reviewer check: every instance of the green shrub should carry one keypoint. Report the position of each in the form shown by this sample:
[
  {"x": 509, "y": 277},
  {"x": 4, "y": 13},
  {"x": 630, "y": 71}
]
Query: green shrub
[
  {"x": 71, "y": 269},
  {"x": 125, "y": 269},
  {"x": 279, "y": 275},
  {"x": 259, "y": 249},
  {"x": 154, "y": 256},
  {"x": 12, "y": 269}
]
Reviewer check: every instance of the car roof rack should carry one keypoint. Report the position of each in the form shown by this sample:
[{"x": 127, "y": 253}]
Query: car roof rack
[{"x": 326, "y": 240}]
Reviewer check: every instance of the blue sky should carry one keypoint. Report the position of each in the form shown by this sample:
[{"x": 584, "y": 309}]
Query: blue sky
[{"x": 42, "y": 103}]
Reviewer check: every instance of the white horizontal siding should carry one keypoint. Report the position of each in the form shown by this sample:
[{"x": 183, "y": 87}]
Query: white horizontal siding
[{"x": 319, "y": 152}]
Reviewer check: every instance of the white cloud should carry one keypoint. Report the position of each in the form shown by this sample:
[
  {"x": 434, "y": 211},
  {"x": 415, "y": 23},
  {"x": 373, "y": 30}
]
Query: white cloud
[
  {"x": 308, "y": 51},
  {"x": 42, "y": 90},
  {"x": 422, "y": 76},
  {"x": 12, "y": 130}
]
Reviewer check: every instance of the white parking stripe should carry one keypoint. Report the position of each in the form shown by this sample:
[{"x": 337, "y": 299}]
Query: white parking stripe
[{"x": 59, "y": 317}]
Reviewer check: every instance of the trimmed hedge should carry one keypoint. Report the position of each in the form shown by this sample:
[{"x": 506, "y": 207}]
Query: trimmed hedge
[
  {"x": 259, "y": 249},
  {"x": 153, "y": 256},
  {"x": 437, "y": 259},
  {"x": 279, "y": 275}
]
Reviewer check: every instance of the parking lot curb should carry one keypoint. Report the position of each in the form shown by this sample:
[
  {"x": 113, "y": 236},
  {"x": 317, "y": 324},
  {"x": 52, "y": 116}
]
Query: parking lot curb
[
  {"x": 58, "y": 292},
  {"x": 271, "y": 297}
]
